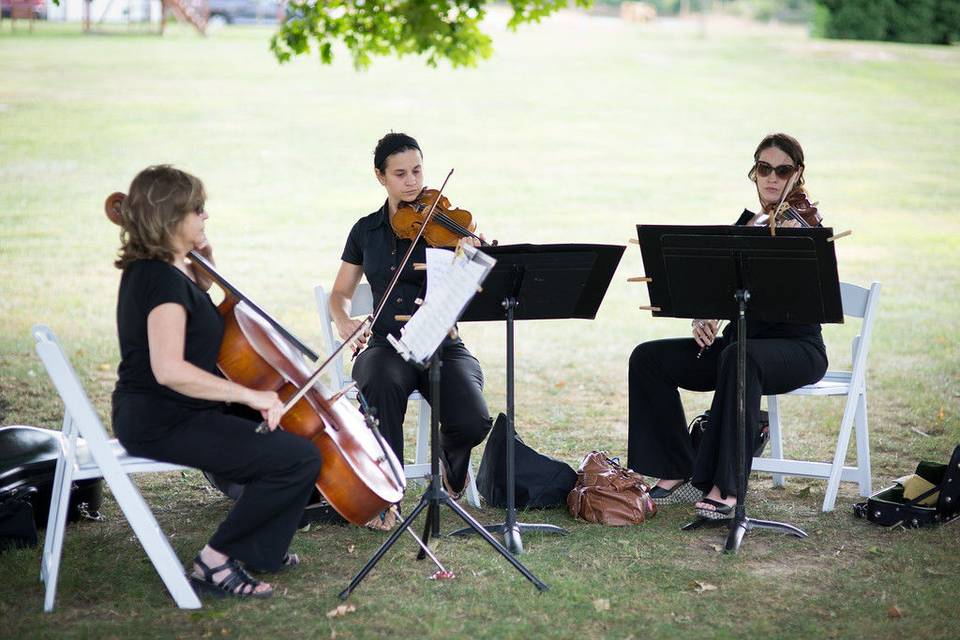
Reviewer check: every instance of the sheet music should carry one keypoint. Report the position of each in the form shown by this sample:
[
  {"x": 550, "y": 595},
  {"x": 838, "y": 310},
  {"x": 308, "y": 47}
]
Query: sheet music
[{"x": 452, "y": 281}]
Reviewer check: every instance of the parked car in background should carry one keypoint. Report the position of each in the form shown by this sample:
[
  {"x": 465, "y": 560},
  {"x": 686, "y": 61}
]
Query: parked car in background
[
  {"x": 245, "y": 11},
  {"x": 39, "y": 8}
]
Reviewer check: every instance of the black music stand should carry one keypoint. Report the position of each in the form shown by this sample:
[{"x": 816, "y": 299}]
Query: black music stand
[
  {"x": 537, "y": 282},
  {"x": 714, "y": 272},
  {"x": 435, "y": 496}
]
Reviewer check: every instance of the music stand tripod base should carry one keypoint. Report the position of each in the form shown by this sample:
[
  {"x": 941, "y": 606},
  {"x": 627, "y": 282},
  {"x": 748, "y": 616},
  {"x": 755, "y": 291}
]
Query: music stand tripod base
[{"x": 432, "y": 498}]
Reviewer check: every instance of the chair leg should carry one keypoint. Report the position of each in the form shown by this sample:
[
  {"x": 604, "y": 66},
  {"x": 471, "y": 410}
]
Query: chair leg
[
  {"x": 423, "y": 433},
  {"x": 473, "y": 496},
  {"x": 776, "y": 439},
  {"x": 151, "y": 537},
  {"x": 863, "y": 445},
  {"x": 840, "y": 454},
  {"x": 57, "y": 523}
]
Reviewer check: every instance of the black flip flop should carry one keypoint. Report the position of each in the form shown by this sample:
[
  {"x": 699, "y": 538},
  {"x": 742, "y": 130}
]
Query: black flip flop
[{"x": 720, "y": 511}]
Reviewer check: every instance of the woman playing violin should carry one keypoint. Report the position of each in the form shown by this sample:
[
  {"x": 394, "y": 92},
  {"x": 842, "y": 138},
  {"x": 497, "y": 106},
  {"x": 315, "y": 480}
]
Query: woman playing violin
[
  {"x": 780, "y": 358},
  {"x": 170, "y": 401},
  {"x": 384, "y": 378}
]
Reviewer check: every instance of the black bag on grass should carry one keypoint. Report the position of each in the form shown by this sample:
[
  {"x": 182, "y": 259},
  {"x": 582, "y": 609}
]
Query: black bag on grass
[
  {"x": 702, "y": 422},
  {"x": 17, "y": 528},
  {"x": 541, "y": 481},
  {"x": 28, "y": 458}
]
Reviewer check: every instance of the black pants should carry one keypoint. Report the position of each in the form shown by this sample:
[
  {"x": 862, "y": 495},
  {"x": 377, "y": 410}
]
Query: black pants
[
  {"x": 278, "y": 470},
  {"x": 386, "y": 380},
  {"x": 658, "y": 442}
]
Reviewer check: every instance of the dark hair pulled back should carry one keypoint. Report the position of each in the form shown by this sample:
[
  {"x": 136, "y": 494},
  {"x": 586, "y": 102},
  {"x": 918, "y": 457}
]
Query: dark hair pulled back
[{"x": 390, "y": 144}]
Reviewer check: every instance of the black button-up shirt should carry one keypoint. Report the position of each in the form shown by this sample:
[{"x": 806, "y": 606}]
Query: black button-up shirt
[{"x": 373, "y": 245}]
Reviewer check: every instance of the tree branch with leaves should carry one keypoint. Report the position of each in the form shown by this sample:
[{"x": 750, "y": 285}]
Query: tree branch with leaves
[{"x": 439, "y": 29}]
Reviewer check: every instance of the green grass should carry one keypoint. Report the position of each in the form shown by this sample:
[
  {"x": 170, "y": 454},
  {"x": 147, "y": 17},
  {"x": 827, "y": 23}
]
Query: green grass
[{"x": 576, "y": 130}]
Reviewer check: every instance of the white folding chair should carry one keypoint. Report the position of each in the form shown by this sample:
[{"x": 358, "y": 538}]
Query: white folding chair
[
  {"x": 858, "y": 302},
  {"x": 361, "y": 304},
  {"x": 87, "y": 453}
]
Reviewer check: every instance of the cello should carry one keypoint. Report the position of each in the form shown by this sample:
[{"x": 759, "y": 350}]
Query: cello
[{"x": 359, "y": 476}]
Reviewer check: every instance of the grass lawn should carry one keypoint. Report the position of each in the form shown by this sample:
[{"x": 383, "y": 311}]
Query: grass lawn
[{"x": 576, "y": 130}]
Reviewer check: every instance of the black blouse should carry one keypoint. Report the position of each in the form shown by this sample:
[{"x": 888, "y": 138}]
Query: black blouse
[
  {"x": 145, "y": 285},
  {"x": 373, "y": 245}
]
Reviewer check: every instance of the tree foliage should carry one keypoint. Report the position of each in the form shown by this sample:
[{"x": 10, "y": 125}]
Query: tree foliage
[
  {"x": 438, "y": 29},
  {"x": 921, "y": 21}
]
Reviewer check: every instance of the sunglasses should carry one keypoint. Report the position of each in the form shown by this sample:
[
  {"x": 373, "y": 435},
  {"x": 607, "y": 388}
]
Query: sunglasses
[{"x": 783, "y": 171}]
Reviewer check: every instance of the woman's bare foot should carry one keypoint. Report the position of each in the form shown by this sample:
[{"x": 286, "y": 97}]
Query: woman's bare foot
[
  {"x": 668, "y": 484},
  {"x": 715, "y": 495}
]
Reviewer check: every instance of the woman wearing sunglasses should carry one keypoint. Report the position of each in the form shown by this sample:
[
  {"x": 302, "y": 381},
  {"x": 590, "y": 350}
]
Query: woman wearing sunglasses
[{"x": 780, "y": 358}]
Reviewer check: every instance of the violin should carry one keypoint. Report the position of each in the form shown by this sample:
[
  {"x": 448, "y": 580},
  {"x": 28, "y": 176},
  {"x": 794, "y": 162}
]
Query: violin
[
  {"x": 359, "y": 476},
  {"x": 805, "y": 216},
  {"x": 446, "y": 226},
  {"x": 794, "y": 205}
]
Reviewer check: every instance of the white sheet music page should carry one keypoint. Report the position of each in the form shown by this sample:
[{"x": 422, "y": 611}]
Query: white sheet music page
[{"x": 452, "y": 281}]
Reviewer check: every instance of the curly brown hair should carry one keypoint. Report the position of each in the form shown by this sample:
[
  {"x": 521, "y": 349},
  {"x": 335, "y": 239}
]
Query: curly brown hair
[{"x": 159, "y": 198}]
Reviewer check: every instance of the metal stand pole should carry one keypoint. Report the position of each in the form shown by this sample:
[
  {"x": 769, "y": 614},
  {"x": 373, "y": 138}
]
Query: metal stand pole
[
  {"x": 433, "y": 497},
  {"x": 741, "y": 524},
  {"x": 511, "y": 529}
]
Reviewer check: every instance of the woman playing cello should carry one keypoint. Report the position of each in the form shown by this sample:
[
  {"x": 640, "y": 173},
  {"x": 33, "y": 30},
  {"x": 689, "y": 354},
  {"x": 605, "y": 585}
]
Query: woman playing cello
[{"x": 169, "y": 401}]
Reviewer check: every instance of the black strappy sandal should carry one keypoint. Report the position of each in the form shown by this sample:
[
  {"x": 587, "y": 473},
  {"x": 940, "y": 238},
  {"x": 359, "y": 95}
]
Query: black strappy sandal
[{"x": 237, "y": 583}]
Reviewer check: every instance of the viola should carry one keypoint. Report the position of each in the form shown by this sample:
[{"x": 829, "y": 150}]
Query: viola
[
  {"x": 445, "y": 227},
  {"x": 359, "y": 476}
]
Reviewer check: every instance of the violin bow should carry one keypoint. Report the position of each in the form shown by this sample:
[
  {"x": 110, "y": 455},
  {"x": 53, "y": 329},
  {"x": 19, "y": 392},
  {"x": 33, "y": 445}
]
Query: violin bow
[
  {"x": 371, "y": 320},
  {"x": 787, "y": 188}
]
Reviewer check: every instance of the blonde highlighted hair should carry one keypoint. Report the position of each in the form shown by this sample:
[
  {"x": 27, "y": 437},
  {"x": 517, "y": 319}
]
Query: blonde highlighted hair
[{"x": 159, "y": 198}]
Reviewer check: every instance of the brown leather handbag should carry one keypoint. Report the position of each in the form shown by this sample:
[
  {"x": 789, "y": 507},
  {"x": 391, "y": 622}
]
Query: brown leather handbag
[{"x": 608, "y": 493}]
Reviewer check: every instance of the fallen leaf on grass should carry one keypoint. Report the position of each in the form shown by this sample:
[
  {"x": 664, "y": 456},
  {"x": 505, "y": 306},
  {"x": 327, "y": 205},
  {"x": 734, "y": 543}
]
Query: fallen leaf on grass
[
  {"x": 894, "y": 612},
  {"x": 560, "y": 385},
  {"x": 700, "y": 586},
  {"x": 875, "y": 551},
  {"x": 350, "y": 548},
  {"x": 716, "y": 548},
  {"x": 601, "y": 604},
  {"x": 683, "y": 618},
  {"x": 837, "y": 554},
  {"x": 104, "y": 366},
  {"x": 341, "y": 611},
  {"x": 803, "y": 493}
]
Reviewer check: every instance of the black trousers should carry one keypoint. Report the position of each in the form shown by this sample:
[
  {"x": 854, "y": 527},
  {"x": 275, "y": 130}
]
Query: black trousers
[
  {"x": 386, "y": 380},
  {"x": 658, "y": 442},
  {"x": 278, "y": 470}
]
